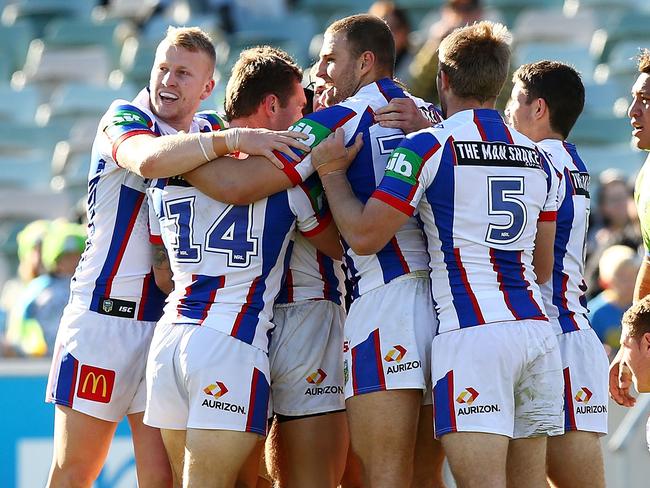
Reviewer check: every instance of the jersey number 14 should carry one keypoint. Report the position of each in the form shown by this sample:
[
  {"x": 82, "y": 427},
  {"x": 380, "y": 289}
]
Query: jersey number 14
[{"x": 230, "y": 234}]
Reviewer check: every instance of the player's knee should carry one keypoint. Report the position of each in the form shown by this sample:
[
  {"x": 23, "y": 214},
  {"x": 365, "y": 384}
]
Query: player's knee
[
  {"x": 72, "y": 475},
  {"x": 158, "y": 478}
]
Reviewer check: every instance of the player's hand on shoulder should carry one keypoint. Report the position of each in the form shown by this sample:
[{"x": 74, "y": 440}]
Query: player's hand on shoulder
[
  {"x": 331, "y": 155},
  {"x": 404, "y": 114},
  {"x": 262, "y": 142}
]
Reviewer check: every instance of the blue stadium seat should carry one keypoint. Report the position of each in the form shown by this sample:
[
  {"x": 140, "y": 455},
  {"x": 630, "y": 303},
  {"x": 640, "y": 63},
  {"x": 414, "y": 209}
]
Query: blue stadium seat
[
  {"x": 601, "y": 98},
  {"x": 601, "y": 130},
  {"x": 18, "y": 105},
  {"x": 573, "y": 54},
  {"x": 14, "y": 43}
]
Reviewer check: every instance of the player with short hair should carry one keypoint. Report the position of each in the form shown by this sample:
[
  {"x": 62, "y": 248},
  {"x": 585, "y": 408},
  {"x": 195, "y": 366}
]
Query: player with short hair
[
  {"x": 635, "y": 343},
  {"x": 620, "y": 379},
  {"x": 546, "y": 100},
  {"x": 97, "y": 373},
  {"x": 208, "y": 374},
  {"x": 487, "y": 199},
  {"x": 387, "y": 372}
]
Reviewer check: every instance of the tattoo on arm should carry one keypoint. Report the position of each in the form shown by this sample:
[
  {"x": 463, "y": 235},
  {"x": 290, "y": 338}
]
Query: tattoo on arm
[{"x": 160, "y": 257}]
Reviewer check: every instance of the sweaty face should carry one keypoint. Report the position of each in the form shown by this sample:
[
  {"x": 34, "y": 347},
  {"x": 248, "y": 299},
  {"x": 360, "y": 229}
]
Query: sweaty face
[
  {"x": 519, "y": 113},
  {"x": 287, "y": 116},
  {"x": 180, "y": 80},
  {"x": 338, "y": 68},
  {"x": 639, "y": 112}
]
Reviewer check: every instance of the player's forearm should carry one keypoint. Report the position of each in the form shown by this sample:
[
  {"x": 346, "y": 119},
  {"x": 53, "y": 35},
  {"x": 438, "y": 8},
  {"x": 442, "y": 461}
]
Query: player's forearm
[
  {"x": 642, "y": 287},
  {"x": 348, "y": 213},
  {"x": 543, "y": 257},
  {"x": 238, "y": 182},
  {"x": 328, "y": 242},
  {"x": 172, "y": 155}
]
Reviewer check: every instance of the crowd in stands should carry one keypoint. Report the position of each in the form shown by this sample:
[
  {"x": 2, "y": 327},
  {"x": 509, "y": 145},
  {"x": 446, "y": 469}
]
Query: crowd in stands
[{"x": 68, "y": 59}]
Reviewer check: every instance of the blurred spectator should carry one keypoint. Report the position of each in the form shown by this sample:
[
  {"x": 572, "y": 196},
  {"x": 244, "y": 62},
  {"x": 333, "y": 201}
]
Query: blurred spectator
[
  {"x": 424, "y": 68},
  {"x": 30, "y": 266},
  {"x": 614, "y": 221},
  {"x": 618, "y": 267},
  {"x": 397, "y": 20},
  {"x": 34, "y": 318}
]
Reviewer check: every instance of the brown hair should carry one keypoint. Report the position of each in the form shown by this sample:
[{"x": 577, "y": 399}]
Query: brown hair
[
  {"x": 193, "y": 39},
  {"x": 560, "y": 86},
  {"x": 476, "y": 59},
  {"x": 365, "y": 32},
  {"x": 637, "y": 318},
  {"x": 644, "y": 61},
  {"x": 260, "y": 71}
]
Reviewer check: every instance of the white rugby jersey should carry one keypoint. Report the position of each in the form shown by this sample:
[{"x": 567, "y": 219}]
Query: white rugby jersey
[
  {"x": 227, "y": 260},
  {"x": 115, "y": 274},
  {"x": 312, "y": 275},
  {"x": 564, "y": 294},
  {"x": 406, "y": 252},
  {"x": 480, "y": 188}
]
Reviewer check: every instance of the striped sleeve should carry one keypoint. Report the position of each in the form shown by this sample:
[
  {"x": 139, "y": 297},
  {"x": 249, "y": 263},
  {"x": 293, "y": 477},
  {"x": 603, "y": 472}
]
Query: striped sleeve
[
  {"x": 154, "y": 200},
  {"x": 214, "y": 122},
  {"x": 404, "y": 181},
  {"x": 549, "y": 212},
  {"x": 316, "y": 126},
  {"x": 124, "y": 120}
]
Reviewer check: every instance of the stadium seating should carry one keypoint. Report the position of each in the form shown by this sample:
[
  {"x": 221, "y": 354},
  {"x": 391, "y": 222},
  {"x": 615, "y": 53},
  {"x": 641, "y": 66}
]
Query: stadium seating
[
  {"x": 18, "y": 105},
  {"x": 575, "y": 55}
]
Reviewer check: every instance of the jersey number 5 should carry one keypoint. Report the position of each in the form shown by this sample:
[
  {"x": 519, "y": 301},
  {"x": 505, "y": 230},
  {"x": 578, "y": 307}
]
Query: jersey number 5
[
  {"x": 230, "y": 234},
  {"x": 502, "y": 202}
]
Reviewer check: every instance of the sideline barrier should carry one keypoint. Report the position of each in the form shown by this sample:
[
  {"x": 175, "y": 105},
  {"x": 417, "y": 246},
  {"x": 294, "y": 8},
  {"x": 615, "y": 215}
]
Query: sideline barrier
[{"x": 26, "y": 434}]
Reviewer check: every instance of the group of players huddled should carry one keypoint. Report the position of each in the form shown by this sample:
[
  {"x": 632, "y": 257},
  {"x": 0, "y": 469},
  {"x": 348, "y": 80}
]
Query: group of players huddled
[{"x": 210, "y": 302}]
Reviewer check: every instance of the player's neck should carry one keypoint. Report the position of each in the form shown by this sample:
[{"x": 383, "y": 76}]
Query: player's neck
[
  {"x": 247, "y": 122},
  {"x": 455, "y": 105}
]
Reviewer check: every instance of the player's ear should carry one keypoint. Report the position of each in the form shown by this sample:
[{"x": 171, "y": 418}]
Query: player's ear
[
  {"x": 271, "y": 104},
  {"x": 645, "y": 344},
  {"x": 366, "y": 61},
  {"x": 541, "y": 108}
]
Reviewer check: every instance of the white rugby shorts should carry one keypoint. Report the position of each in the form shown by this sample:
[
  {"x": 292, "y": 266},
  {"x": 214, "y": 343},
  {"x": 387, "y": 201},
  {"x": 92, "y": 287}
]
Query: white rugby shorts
[
  {"x": 586, "y": 371},
  {"x": 501, "y": 378},
  {"x": 98, "y": 365},
  {"x": 388, "y": 335},
  {"x": 306, "y": 357},
  {"x": 200, "y": 378}
]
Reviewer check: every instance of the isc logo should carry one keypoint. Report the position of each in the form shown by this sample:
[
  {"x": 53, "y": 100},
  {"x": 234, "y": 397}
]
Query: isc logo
[
  {"x": 305, "y": 129},
  {"x": 398, "y": 164},
  {"x": 125, "y": 309}
]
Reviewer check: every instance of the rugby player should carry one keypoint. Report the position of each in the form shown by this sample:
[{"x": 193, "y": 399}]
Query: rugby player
[
  {"x": 620, "y": 378},
  {"x": 487, "y": 199},
  {"x": 208, "y": 375},
  {"x": 547, "y": 98},
  {"x": 97, "y": 373},
  {"x": 388, "y": 372}
]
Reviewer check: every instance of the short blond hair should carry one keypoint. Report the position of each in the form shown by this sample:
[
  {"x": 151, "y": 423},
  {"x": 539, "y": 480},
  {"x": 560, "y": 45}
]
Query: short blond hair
[
  {"x": 476, "y": 59},
  {"x": 613, "y": 259},
  {"x": 193, "y": 39},
  {"x": 644, "y": 61}
]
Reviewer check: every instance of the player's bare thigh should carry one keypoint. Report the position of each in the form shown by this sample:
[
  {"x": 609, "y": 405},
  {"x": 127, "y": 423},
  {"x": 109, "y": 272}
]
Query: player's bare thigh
[
  {"x": 575, "y": 460},
  {"x": 473, "y": 467}
]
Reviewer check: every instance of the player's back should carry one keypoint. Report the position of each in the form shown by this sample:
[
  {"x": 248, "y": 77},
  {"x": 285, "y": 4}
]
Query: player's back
[
  {"x": 564, "y": 295},
  {"x": 485, "y": 187},
  {"x": 227, "y": 261}
]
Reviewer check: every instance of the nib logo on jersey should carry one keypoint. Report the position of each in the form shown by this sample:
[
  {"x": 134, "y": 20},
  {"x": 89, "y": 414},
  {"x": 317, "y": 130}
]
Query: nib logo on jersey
[
  {"x": 397, "y": 354},
  {"x": 583, "y": 396},
  {"x": 467, "y": 397},
  {"x": 217, "y": 390},
  {"x": 316, "y": 378}
]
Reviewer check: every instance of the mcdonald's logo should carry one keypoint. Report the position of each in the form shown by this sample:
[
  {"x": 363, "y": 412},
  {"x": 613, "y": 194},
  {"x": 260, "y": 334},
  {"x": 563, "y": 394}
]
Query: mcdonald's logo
[{"x": 96, "y": 384}]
